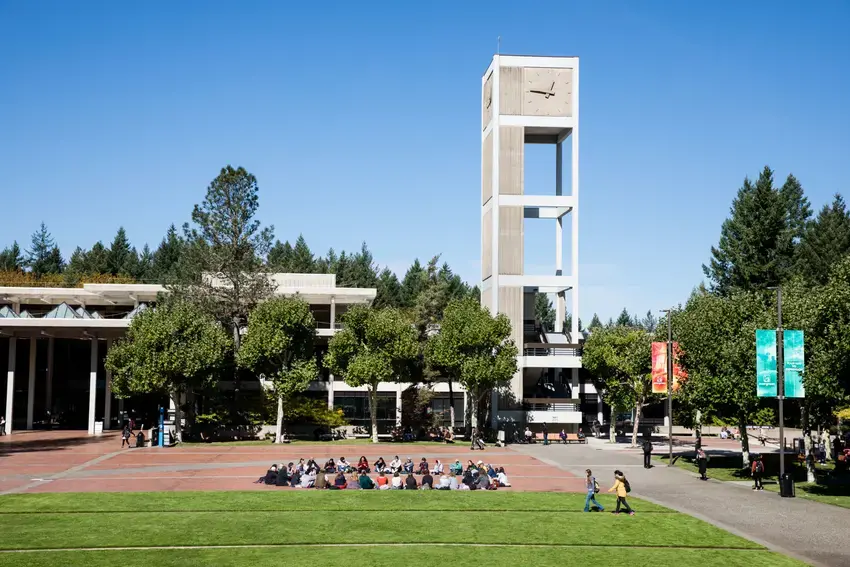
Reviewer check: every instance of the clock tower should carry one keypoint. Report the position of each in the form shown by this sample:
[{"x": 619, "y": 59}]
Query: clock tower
[{"x": 532, "y": 100}]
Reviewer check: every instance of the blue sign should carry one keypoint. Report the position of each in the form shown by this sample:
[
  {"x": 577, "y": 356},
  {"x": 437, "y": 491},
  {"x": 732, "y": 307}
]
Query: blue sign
[
  {"x": 766, "y": 363},
  {"x": 161, "y": 426},
  {"x": 794, "y": 363}
]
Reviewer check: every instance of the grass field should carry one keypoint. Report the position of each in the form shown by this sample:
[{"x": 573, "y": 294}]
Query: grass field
[{"x": 345, "y": 528}]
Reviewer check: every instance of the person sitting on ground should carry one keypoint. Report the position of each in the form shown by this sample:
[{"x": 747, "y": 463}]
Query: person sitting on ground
[
  {"x": 330, "y": 466},
  {"x": 502, "y": 477},
  {"x": 340, "y": 483},
  {"x": 423, "y": 466},
  {"x": 383, "y": 481},
  {"x": 312, "y": 467},
  {"x": 494, "y": 484},
  {"x": 271, "y": 476},
  {"x": 353, "y": 483},
  {"x": 445, "y": 484},
  {"x": 380, "y": 465},
  {"x": 302, "y": 466},
  {"x": 363, "y": 465},
  {"x": 491, "y": 472},
  {"x": 453, "y": 483},
  {"x": 483, "y": 482},
  {"x": 308, "y": 480},
  {"x": 397, "y": 481},
  {"x": 456, "y": 467},
  {"x": 395, "y": 465},
  {"x": 283, "y": 475},
  {"x": 321, "y": 480},
  {"x": 427, "y": 481},
  {"x": 470, "y": 466},
  {"x": 468, "y": 480},
  {"x": 295, "y": 478},
  {"x": 529, "y": 436},
  {"x": 562, "y": 436},
  {"x": 448, "y": 436},
  {"x": 438, "y": 467},
  {"x": 482, "y": 470},
  {"x": 724, "y": 433},
  {"x": 410, "y": 482},
  {"x": 365, "y": 482},
  {"x": 408, "y": 465},
  {"x": 342, "y": 465}
]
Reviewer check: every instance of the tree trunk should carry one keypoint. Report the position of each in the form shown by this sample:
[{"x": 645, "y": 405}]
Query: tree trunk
[
  {"x": 178, "y": 417},
  {"x": 745, "y": 440},
  {"x": 279, "y": 434},
  {"x": 473, "y": 402},
  {"x": 373, "y": 410},
  {"x": 636, "y": 424},
  {"x": 808, "y": 444},
  {"x": 451, "y": 407},
  {"x": 698, "y": 425},
  {"x": 612, "y": 427}
]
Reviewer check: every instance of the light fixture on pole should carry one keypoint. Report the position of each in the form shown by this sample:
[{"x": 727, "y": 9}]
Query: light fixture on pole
[{"x": 669, "y": 313}]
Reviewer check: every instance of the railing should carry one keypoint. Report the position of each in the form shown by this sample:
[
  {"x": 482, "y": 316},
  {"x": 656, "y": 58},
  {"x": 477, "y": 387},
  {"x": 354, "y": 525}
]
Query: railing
[
  {"x": 529, "y": 327},
  {"x": 555, "y": 406},
  {"x": 551, "y": 349},
  {"x": 327, "y": 325}
]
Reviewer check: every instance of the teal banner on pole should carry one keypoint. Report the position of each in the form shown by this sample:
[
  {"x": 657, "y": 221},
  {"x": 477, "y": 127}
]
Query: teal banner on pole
[
  {"x": 766, "y": 363},
  {"x": 793, "y": 363}
]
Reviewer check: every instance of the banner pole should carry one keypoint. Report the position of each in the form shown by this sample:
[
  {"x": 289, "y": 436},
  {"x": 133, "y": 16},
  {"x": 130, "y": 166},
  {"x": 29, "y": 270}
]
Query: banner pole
[
  {"x": 780, "y": 381},
  {"x": 670, "y": 386}
]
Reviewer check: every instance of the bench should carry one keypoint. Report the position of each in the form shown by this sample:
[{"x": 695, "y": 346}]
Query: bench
[{"x": 556, "y": 438}]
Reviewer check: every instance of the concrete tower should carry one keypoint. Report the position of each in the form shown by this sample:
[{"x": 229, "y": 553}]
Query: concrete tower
[{"x": 531, "y": 100}]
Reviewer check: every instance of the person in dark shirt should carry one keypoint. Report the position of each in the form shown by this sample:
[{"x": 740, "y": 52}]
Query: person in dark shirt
[
  {"x": 410, "y": 482},
  {"x": 366, "y": 482},
  {"x": 283, "y": 475},
  {"x": 271, "y": 475},
  {"x": 339, "y": 482},
  {"x": 647, "y": 454},
  {"x": 428, "y": 480}
]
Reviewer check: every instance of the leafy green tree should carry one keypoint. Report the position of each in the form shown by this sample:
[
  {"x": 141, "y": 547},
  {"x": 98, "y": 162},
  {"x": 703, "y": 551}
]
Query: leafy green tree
[
  {"x": 43, "y": 257},
  {"x": 473, "y": 348},
  {"x": 121, "y": 259},
  {"x": 544, "y": 311},
  {"x": 279, "y": 344},
  {"x": 825, "y": 240},
  {"x": 388, "y": 290},
  {"x": 619, "y": 360},
  {"x": 165, "y": 264},
  {"x": 173, "y": 349},
  {"x": 224, "y": 270},
  {"x": 374, "y": 346},
  {"x": 11, "y": 258},
  {"x": 757, "y": 241}
]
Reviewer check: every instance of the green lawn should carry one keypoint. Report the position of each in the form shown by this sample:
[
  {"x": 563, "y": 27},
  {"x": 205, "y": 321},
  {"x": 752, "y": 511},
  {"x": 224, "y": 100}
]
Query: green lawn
[
  {"x": 282, "y": 526},
  {"x": 727, "y": 469}
]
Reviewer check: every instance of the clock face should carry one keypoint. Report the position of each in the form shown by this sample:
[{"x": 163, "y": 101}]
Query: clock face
[
  {"x": 547, "y": 92},
  {"x": 487, "y": 102}
]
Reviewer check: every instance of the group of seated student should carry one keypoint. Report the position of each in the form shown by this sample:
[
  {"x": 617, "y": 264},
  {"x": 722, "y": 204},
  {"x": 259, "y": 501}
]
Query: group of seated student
[{"x": 397, "y": 476}]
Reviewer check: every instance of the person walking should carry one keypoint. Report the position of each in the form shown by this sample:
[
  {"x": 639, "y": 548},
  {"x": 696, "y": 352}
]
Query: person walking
[
  {"x": 125, "y": 436},
  {"x": 757, "y": 471},
  {"x": 622, "y": 488},
  {"x": 647, "y": 454},
  {"x": 592, "y": 491},
  {"x": 545, "y": 434},
  {"x": 702, "y": 463},
  {"x": 2, "y": 425}
]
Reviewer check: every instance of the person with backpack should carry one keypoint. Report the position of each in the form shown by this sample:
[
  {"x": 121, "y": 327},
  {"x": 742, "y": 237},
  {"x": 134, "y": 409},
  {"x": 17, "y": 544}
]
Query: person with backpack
[
  {"x": 702, "y": 463},
  {"x": 592, "y": 491},
  {"x": 647, "y": 454},
  {"x": 758, "y": 472},
  {"x": 622, "y": 488},
  {"x": 125, "y": 436}
]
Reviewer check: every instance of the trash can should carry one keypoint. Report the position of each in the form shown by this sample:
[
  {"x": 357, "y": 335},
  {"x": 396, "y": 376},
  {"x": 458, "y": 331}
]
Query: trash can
[{"x": 786, "y": 486}]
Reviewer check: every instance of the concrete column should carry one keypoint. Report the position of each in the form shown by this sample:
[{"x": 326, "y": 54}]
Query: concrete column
[
  {"x": 48, "y": 390},
  {"x": 560, "y": 302},
  {"x": 10, "y": 384},
  {"x": 31, "y": 382},
  {"x": 333, "y": 313},
  {"x": 398, "y": 405},
  {"x": 574, "y": 218},
  {"x": 92, "y": 384},
  {"x": 107, "y": 394},
  {"x": 331, "y": 392},
  {"x": 574, "y": 383}
]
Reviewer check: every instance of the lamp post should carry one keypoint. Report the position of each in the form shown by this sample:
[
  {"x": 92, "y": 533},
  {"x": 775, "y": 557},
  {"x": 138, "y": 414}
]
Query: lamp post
[
  {"x": 669, "y": 313},
  {"x": 780, "y": 380}
]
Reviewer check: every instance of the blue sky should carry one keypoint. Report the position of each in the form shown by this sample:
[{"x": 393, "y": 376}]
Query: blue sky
[{"x": 361, "y": 122}]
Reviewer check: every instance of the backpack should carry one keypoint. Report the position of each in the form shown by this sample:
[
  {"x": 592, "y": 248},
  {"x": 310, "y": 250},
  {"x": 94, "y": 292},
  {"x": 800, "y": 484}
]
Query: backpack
[
  {"x": 595, "y": 486},
  {"x": 759, "y": 468},
  {"x": 628, "y": 486}
]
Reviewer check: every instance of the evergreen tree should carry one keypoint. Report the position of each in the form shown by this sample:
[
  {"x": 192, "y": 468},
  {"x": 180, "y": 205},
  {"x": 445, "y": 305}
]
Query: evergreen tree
[
  {"x": 119, "y": 258},
  {"x": 166, "y": 259},
  {"x": 303, "y": 261},
  {"x": 145, "y": 263},
  {"x": 825, "y": 241},
  {"x": 280, "y": 257},
  {"x": 413, "y": 283},
  {"x": 362, "y": 272},
  {"x": 568, "y": 324},
  {"x": 11, "y": 258},
  {"x": 650, "y": 322},
  {"x": 97, "y": 259},
  {"x": 624, "y": 320},
  {"x": 757, "y": 241},
  {"x": 595, "y": 323},
  {"x": 389, "y": 290},
  {"x": 43, "y": 257},
  {"x": 544, "y": 312}
]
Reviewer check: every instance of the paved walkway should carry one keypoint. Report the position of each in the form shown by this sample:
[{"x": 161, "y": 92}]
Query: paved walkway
[{"x": 810, "y": 531}]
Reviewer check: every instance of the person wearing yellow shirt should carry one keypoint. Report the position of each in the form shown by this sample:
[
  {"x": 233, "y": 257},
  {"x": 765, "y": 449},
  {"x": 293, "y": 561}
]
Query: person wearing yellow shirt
[{"x": 622, "y": 488}]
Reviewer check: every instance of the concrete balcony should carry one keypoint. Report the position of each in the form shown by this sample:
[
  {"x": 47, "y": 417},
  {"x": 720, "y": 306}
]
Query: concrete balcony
[
  {"x": 552, "y": 410},
  {"x": 551, "y": 355},
  {"x": 324, "y": 329}
]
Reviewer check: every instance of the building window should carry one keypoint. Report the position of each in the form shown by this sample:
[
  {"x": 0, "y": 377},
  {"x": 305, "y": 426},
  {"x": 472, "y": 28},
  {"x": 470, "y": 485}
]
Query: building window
[{"x": 355, "y": 408}]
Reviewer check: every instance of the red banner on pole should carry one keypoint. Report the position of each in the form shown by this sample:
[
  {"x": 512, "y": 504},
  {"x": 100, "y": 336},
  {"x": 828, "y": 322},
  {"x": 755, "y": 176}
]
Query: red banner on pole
[{"x": 659, "y": 368}]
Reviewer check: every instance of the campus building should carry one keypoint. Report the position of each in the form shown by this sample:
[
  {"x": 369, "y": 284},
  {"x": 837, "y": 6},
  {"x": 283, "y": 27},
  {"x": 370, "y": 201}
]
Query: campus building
[
  {"x": 54, "y": 340},
  {"x": 525, "y": 101}
]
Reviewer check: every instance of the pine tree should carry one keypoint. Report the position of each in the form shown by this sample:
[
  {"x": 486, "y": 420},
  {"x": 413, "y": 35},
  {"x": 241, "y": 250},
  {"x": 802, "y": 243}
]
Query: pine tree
[
  {"x": 303, "y": 261},
  {"x": 280, "y": 257},
  {"x": 389, "y": 290},
  {"x": 414, "y": 282},
  {"x": 118, "y": 259},
  {"x": 43, "y": 257},
  {"x": 97, "y": 259},
  {"x": 757, "y": 241},
  {"x": 624, "y": 320},
  {"x": 166, "y": 260},
  {"x": 363, "y": 272},
  {"x": 544, "y": 312},
  {"x": 595, "y": 323},
  {"x": 825, "y": 241},
  {"x": 144, "y": 265},
  {"x": 650, "y": 322},
  {"x": 11, "y": 258}
]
